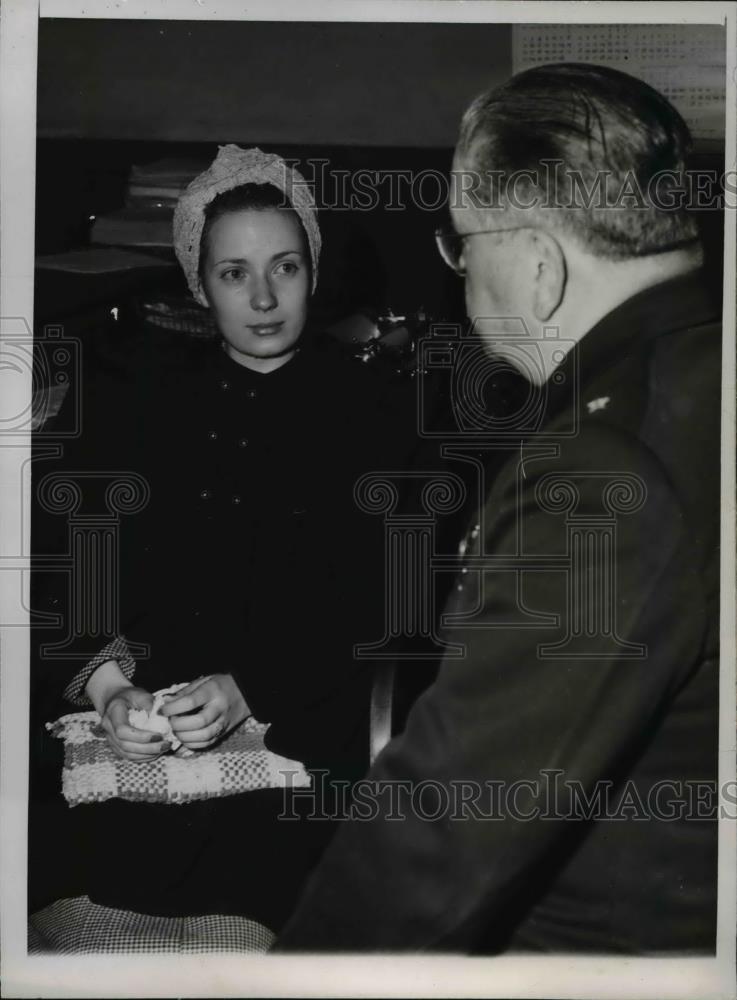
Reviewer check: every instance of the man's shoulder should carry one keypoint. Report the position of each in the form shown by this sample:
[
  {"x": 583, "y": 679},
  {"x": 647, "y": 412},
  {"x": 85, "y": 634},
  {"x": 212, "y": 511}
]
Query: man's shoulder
[
  {"x": 596, "y": 444},
  {"x": 657, "y": 401},
  {"x": 646, "y": 424},
  {"x": 601, "y": 470}
]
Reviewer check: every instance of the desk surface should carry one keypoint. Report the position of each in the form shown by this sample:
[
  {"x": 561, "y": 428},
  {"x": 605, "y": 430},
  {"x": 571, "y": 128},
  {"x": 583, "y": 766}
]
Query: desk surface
[{"x": 60, "y": 295}]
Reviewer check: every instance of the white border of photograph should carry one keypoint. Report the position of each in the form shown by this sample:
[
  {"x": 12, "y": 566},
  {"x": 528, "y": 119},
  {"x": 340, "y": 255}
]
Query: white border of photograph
[{"x": 228, "y": 975}]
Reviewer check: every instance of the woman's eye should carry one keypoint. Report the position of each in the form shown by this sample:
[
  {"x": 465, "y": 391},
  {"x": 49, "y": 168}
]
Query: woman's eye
[
  {"x": 232, "y": 274},
  {"x": 287, "y": 267}
]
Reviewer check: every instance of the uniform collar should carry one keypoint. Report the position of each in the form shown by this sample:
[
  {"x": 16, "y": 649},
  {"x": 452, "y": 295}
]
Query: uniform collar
[
  {"x": 628, "y": 330},
  {"x": 671, "y": 305}
]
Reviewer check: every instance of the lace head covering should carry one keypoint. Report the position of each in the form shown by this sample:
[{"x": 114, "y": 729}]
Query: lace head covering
[{"x": 232, "y": 167}]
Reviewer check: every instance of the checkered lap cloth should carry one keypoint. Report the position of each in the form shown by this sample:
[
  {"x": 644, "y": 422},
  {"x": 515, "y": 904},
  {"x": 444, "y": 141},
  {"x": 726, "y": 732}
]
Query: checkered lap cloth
[
  {"x": 80, "y": 927},
  {"x": 239, "y": 763}
]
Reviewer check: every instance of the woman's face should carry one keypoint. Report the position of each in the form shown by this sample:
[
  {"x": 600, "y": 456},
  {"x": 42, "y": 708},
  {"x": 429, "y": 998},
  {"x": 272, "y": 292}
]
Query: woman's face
[{"x": 256, "y": 280}]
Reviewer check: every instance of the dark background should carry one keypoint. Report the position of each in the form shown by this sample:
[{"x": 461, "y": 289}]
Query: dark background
[
  {"x": 298, "y": 83},
  {"x": 376, "y": 96},
  {"x": 365, "y": 96}
]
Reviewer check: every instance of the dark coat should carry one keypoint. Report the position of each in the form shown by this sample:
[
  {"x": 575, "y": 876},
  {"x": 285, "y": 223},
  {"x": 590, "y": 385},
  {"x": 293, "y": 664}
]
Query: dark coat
[
  {"x": 250, "y": 558},
  {"x": 615, "y": 713}
]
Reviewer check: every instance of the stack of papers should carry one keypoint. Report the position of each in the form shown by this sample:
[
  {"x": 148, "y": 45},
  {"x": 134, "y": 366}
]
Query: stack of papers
[{"x": 100, "y": 260}]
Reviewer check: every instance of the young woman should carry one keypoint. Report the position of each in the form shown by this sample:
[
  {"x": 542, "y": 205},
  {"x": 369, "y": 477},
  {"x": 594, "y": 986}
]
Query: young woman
[{"x": 250, "y": 573}]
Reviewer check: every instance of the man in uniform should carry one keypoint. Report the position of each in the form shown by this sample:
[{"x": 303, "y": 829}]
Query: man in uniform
[{"x": 559, "y": 776}]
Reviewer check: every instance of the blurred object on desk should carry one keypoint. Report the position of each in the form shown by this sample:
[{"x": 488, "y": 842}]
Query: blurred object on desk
[
  {"x": 134, "y": 227},
  {"x": 159, "y": 184},
  {"x": 151, "y": 193},
  {"x": 357, "y": 328},
  {"x": 387, "y": 338},
  {"x": 179, "y": 313},
  {"x": 100, "y": 260},
  {"x": 45, "y": 405}
]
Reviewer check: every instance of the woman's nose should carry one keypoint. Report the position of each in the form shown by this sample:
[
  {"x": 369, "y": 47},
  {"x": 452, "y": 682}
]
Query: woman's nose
[{"x": 262, "y": 295}]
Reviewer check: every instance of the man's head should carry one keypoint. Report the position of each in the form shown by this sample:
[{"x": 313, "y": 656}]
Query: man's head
[{"x": 568, "y": 175}]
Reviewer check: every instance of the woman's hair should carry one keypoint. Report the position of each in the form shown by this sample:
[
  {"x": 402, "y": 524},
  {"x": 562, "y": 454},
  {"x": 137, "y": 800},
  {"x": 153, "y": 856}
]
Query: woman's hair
[
  {"x": 245, "y": 197},
  {"x": 237, "y": 179}
]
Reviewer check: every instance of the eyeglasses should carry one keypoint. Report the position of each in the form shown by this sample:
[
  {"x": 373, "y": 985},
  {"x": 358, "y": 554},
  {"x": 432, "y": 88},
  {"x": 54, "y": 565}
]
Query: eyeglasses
[{"x": 450, "y": 244}]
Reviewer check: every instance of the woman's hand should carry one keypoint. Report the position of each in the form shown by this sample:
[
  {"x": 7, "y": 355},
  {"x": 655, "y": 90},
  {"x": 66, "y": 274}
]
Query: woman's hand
[
  {"x": 113, "y": 695},
  {"x": 216, "y": 706},
  {"x": 128, "y": 742}
]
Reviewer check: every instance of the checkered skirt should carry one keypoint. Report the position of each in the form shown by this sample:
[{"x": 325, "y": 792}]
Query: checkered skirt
[{"x": 78, "y": 926}]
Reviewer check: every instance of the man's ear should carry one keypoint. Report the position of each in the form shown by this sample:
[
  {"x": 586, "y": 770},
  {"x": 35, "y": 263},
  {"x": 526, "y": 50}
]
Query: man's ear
[{"x": 550, "y": 274}]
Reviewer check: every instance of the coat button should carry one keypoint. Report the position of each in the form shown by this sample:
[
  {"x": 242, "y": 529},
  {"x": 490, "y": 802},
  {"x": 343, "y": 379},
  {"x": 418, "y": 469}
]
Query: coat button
[
  {"x": 243, "y": 443},
  {"x": 213, "y": 435},
  {"x": 251, "y": 394},
  {"x": 236, "y": 499},
  {"x": 224, "y": 384},
  {"x": 205, "y": 494}
]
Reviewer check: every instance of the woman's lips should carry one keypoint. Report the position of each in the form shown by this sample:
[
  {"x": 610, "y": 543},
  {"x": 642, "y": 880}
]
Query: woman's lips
[{"x": 265, "y": 329}]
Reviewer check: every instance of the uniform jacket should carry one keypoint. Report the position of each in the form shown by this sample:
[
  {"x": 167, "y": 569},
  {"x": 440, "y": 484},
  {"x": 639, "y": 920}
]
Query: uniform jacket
[{"x": 596, "y": 729}]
